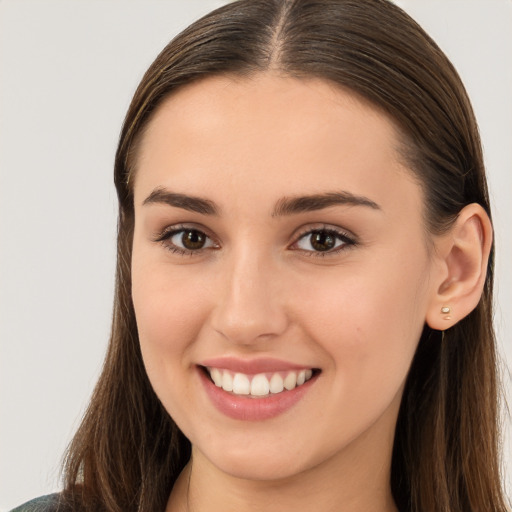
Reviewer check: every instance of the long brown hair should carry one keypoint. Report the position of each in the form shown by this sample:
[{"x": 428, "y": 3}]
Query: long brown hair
[{"x": 128, "y": 452}]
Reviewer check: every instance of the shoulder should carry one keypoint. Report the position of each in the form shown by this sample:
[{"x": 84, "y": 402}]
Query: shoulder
[{"x": 49, "y": 503}]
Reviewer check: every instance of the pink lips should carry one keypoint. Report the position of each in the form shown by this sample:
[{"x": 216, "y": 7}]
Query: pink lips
[
  {"x": 251, "y": 367},
  {"x": 247, "y": 408}
]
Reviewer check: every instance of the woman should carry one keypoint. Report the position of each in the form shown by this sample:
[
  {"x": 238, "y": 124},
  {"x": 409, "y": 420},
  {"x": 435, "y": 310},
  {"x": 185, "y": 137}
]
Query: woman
[{"x": 304, "y": 278}]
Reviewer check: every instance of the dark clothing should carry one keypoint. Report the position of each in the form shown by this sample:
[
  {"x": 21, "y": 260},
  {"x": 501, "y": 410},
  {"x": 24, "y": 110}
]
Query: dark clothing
[{"x": 49, "y": 503}]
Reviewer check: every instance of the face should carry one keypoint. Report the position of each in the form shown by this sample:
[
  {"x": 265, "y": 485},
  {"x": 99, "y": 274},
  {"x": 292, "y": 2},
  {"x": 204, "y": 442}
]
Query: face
[{"x": 280, "y": 273}]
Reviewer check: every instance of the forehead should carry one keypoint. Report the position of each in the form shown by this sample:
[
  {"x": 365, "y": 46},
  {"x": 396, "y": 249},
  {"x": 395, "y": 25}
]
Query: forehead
[{"x": 268, "y": 133}]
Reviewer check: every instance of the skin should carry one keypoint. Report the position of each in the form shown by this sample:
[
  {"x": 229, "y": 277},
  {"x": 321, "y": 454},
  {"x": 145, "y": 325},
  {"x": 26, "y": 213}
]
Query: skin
[{"x": 258, "y": 288}]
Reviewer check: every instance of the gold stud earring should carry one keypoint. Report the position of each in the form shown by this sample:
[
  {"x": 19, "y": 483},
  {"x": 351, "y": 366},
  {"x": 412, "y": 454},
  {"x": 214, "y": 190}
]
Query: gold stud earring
[{"x": 445, "y": 310}]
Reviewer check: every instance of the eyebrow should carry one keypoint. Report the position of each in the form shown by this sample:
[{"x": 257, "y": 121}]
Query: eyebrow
[
  {"x": 186, "y": 202},
  {"x": 301, "y": 204},
  {"x": 284, "y": 206}
]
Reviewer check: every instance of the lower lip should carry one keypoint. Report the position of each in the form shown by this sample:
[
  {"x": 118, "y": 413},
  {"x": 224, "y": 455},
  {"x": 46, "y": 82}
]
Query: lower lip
[{"x": 253, "y": 409}]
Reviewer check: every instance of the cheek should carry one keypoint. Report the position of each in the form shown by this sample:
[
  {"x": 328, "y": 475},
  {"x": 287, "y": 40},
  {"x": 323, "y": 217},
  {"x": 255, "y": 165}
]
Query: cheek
[
  {"x": 368, "y": 319},
  {"x": 169, "y": 317}
]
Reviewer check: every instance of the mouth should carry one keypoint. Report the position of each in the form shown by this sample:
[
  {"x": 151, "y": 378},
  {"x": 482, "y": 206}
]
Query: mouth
[{"x": 260, "y": 385}]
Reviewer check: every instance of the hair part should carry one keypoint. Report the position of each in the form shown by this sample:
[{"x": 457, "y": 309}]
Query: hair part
[{"x": 128, "y": 452}]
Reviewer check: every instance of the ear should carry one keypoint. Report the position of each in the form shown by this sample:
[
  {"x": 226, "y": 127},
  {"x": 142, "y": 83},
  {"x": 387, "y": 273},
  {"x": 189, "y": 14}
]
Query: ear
[{"x": 462, "y": 254}]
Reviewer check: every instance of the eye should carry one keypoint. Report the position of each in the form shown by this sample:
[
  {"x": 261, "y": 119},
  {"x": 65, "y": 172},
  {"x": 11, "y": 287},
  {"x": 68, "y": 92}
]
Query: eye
[
  {"x": 323, "y": 241},
  {"x": 190, "y": 239},
  {"x": 184, "y": 240}
]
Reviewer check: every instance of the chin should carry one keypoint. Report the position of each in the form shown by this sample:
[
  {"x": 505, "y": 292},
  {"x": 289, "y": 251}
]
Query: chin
[
  {"x": 273, "y": 460},
  {"x": 261, "y": 467}
]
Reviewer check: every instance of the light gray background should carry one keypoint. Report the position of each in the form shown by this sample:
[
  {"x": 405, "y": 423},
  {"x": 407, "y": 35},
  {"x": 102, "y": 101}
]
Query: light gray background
[{"x": 67, "y": 73}]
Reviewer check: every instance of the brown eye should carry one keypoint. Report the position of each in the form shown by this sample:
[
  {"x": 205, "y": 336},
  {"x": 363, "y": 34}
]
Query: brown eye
[
  {"x": 193, "y": 240},
  {"x": 186, "y": 241},
  {"x": 322, "y": 241}
]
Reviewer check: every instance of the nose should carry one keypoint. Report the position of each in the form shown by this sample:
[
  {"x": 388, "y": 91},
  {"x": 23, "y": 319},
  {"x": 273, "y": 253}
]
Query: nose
[{"x": 250, "y": 304}]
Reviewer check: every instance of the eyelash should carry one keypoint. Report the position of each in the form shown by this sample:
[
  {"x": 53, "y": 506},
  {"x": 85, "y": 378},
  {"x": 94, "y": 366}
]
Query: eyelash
[
  {"x": 168, "y": 233},
  {"x": 339, "y": 235}
]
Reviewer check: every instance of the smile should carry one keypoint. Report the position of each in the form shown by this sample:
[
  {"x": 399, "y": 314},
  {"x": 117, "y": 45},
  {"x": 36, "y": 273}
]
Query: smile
[
  {"x": 260, "y": 385},
  {"x": 257, "y": 389}
]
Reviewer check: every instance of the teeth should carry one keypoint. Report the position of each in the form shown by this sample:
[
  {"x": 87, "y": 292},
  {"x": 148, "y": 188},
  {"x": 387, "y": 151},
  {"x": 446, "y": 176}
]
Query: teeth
[
  {"x": 216, "y": 376},
  {"x": 276, "y": 383},
  {"x": 241, "y": 384},
  {"x": 227, "y": 381},
  {"x": 290, "y": 381},
  {"x": 261, "y": 384}
]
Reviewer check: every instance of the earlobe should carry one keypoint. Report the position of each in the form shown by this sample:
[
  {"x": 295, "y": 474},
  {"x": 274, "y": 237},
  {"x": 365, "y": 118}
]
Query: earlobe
[{"x": 463, "y": 255}]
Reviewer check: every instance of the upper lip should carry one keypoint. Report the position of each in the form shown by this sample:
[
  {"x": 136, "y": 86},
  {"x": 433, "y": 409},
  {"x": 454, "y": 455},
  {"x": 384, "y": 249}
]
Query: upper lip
[{"x": 252, "y": 366}]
